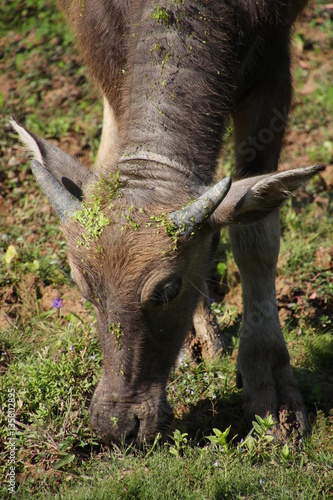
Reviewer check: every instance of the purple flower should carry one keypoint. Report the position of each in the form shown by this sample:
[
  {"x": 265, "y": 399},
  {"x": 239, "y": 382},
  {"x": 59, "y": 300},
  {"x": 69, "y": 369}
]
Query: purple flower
[{"x": 57, "y": 303}]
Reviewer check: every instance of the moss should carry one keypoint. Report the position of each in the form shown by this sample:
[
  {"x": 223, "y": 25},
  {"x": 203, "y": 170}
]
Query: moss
[
  {"x": 114, "y": 420},
  {"x": 91, "y": 217},
  {"x": 130, "y": 223},
  {"x": 92, "y": 220},
  {"x": 108, "y": 188},
  {"x": 116, "y": 331},
  {"x": 161, "y": 15},
  {"x": 163, "y": 221},
  {"x": 173, "y": 230}
]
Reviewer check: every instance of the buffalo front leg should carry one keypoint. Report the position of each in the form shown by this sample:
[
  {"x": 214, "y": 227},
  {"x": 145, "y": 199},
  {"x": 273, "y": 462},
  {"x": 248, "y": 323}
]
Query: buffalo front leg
[
  {"x": 260, "y": 118},
  {"x": 206, "y": 340},
  {"x": 269, "y": 386}
]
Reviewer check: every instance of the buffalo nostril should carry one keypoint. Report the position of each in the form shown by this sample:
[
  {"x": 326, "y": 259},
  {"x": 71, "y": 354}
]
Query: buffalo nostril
[{"x": 131, "y": 435}]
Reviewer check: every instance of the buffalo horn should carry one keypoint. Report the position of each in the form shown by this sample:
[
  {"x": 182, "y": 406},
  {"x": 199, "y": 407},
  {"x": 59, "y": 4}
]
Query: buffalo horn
[
  {"x": 188, "y": 218},
  {"x": 63, "y": 202}
]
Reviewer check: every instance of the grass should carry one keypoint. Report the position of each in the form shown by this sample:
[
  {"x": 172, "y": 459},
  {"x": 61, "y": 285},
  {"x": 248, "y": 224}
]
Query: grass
[{"x": 50, "y": 355}]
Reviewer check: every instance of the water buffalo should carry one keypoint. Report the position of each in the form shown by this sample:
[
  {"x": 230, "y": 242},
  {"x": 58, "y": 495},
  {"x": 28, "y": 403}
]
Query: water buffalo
[{"x": 140, "y": 226}]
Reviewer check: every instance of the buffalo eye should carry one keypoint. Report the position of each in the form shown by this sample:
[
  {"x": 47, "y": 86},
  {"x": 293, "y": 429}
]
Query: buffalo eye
[{"x": 167, "y": 292}]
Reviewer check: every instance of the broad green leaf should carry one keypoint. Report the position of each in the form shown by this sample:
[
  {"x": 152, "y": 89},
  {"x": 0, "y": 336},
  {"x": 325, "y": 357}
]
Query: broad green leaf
[
  {"x": 68, "y": 459},
  {"x": 221, "y": 268}
]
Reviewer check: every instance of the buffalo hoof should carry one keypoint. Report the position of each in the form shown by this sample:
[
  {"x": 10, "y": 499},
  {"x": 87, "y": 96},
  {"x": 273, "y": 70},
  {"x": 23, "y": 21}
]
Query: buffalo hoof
[
  {"x": 289, "y": 424},
  {"x": 290, "y": 418}
]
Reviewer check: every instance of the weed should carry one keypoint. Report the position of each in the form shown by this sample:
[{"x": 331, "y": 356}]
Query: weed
[
  {"x": 180, "y": 440},
  {"x": 220, "y": 439},
  {"x": 258, "y": 442}
]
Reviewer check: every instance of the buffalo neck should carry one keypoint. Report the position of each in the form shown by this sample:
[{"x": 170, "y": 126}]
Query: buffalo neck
[{"x": 177, "y": 91}]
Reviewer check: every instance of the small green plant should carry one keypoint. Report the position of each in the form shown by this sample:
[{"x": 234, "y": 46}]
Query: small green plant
[
  {"x": 154, "y": 446},
  {"x": 286, "y": 452},
  {"x": 258, "y": 442},
  {"x": 220, "y": 439},
  {"x": 220, "y": 442},
  {"x": 180, "y": 440}
]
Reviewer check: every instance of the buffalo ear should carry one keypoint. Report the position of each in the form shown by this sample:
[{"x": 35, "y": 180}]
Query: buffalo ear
[
  {"x": 61, "y": 178},
  {"x": 62, "y": 201},
  {"x": 251, "y": 199}
]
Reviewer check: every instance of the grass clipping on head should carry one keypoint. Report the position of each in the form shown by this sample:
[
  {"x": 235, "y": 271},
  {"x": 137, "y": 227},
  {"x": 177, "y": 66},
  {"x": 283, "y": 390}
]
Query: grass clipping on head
[
  {"x": 92, "y": 220},
  {"x": 91, "y": 217}
]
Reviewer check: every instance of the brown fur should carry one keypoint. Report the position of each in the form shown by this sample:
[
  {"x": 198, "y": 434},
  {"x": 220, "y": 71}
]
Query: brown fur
[
  {"x": 120, "y": 275},
  {"x": 172, "y": 73}
]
